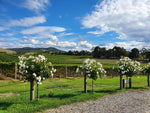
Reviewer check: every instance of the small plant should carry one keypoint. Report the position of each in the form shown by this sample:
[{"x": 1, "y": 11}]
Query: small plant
[
  {"x": 35, "y": 69},
  {"x": 127, "y": 68},
  {"x": 146, "y": 70},
  {"x": 93, "y": 70}
]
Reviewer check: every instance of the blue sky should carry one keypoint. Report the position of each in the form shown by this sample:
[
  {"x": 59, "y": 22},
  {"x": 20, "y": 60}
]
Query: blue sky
[{"x": 75, "y": 24}]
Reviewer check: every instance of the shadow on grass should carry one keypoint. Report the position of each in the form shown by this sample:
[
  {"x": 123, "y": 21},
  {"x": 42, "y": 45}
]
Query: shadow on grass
[
  {"x": 60, "y": 96},
  {"x": 4, "y": 105},
  {"x": 108, "y": 91},
  {"x": 141, "y": 88}
]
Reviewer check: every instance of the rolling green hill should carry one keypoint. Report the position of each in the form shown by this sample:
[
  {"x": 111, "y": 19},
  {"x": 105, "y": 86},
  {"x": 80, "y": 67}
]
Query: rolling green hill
[
  {"x": 28, "y": 49},
  {"x": 7, "y": 51}
]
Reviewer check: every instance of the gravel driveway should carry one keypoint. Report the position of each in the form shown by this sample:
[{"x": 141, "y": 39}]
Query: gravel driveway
[{"x": 127, "y": 102}]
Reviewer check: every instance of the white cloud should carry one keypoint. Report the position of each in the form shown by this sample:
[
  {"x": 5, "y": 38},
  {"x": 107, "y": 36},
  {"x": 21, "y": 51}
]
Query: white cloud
[
  {"x": 129, "y": 18},
  {"x": 3, "y": 28},
  {"x": 53, "y": 38},
  {"x": 85, "y": 45},
  {"x": 40, "y": 29},
  {"x": 50, "y": 43},
  {"x": 128, "y": 45},
  {"x": 3, "y": 40},
  {"x": 33, "y": 41},
  {"x": 35, "y": 5},
  {"x": 65, "y": 34},
  {"x": 27, "y": 21},
  {"x": 66, "y": 44}
]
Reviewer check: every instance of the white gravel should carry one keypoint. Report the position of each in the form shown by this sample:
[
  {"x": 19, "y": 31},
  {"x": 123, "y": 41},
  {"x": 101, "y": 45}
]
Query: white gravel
[{"x": 127, "y": 102}]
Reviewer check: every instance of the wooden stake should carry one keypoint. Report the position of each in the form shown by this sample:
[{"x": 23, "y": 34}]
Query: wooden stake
[
  {"x": 37, "y": 92},
  {"x": 92, "y": 85},
  {"x": 15, "y": 70},
  {"x": 85, "y": 83},
  {"x": 120, "y": 82},
  {"x": 148, "y": 79},
  {"x": 32, "y": 87},
  {"x": 66, "y": 71}
]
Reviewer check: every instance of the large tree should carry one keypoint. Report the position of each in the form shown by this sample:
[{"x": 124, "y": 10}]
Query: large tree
[
  {"x": 95, "y": 52},
  {"x": 99, "y": 52},
  {"x": 118, "y": 52},
  {"x": 134, "y": 53}
]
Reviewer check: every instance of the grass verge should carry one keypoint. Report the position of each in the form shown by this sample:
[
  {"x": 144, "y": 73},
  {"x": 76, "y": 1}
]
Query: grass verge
[{"x": 55, "y": 92}]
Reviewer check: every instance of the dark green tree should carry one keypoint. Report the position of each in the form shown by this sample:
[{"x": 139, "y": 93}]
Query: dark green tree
[
  {"x": 118, "y": 52},
  {"x": 134, "y": 53},
  {"x": 96, "y": 51},
  {"x": 109, "y": 53}
]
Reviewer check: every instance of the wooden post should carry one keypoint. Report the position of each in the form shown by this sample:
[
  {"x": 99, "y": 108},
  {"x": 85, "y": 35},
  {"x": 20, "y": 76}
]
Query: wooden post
[
  {"x": 32, "y": 87},
  {"x": 16, "y": 70},
  {"x": 148, "y": 79},
  {"x": 37, "y": 92},
  {"x": 126, "y": 82},
  {"x": 130, "y": 83},
  {"x": 53, "y": 74},
  {"x": 120, "y": 82},
  {"x": 123, "y": 83},
  {"x": 85, "y": 83},
  {"x": 92, "y": 85},
  {"x": 66, "y": 71},
  {"x": 59, "y": 76}
]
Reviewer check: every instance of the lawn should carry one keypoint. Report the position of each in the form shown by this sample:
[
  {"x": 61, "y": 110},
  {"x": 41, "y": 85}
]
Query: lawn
[{"x": 55, "y": 92}]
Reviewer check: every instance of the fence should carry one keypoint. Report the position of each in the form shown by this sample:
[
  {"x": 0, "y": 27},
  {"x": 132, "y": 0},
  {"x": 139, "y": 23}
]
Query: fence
[
  {"x": 63, "y": 71},
  {"x": 8, "y": 69}
]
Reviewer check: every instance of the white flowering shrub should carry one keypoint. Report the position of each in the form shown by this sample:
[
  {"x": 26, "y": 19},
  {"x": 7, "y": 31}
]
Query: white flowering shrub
[
  {"x": 35, "y": 68},
  {"x": 93, "y": 69},
  {"x": 147, "y": 69},
  {"x": 128, "y": 67}
]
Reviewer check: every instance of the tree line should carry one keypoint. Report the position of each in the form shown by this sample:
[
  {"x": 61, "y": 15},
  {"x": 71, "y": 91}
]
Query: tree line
[
  {"x": 117, "y": 52},
  {"x": 114, "y": 53}
]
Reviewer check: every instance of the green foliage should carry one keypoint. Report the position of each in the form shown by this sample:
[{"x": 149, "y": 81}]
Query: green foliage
[
  {"x": 134, "y": 53},
  {"x": 35, "y": 68},
  {"x": 146, "y": 69},
  {"x": 8, "y": 69},
  {"x": 128, "y": 67},
  {"x": 54, "y": 93},
  {"x": 8, "y": 57}
]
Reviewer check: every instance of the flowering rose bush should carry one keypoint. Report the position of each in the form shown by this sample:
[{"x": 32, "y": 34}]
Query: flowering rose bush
[
  {"x": 93, "y": 69},
  {"x": 35, "y": 68},
  {"x": 147, "y": 69},
  {"x": 128, "y": 67}
]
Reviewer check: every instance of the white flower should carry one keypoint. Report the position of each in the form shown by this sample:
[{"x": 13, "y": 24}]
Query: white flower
[
  {"x": 34, "y": 74},
  {"x": 77, "y": 70},
  {"x": 32, "y": 66}
]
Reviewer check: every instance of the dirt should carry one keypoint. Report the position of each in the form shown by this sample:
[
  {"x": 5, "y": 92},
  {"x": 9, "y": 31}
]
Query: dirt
[{"x": 2, "y": 95}]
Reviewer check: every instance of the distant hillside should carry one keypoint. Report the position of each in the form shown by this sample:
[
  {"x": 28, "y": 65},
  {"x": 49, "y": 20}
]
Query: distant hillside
[
  {"x": 7, "y": 51},
  {"x": 28, "y": 49}
]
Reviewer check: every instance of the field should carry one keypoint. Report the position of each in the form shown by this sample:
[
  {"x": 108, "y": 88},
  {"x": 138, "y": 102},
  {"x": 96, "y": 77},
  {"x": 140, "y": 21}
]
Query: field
[
  {"x": 55, "y": 92},
  {"x": 14, "y": 94}
]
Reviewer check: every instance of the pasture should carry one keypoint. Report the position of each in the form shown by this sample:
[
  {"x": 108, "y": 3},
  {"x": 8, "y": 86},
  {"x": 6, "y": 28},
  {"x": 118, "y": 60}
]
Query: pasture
[
  {"x": 55, "y": 92},
  {"x": 15, "y": 94}
]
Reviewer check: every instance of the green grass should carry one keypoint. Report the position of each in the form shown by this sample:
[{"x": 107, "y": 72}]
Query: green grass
[
  {"x": 55, "y": 92},
  {"x": 65, "y": 59},
  {"x": 76, "y": 60}
]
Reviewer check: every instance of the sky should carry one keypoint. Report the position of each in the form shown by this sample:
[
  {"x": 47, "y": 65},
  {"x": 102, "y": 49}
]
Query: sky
[{"x": 75, "y": 24}]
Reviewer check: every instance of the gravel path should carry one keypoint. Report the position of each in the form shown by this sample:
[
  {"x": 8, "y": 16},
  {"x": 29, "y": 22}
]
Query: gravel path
[{"x": 127, "y": 102}]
